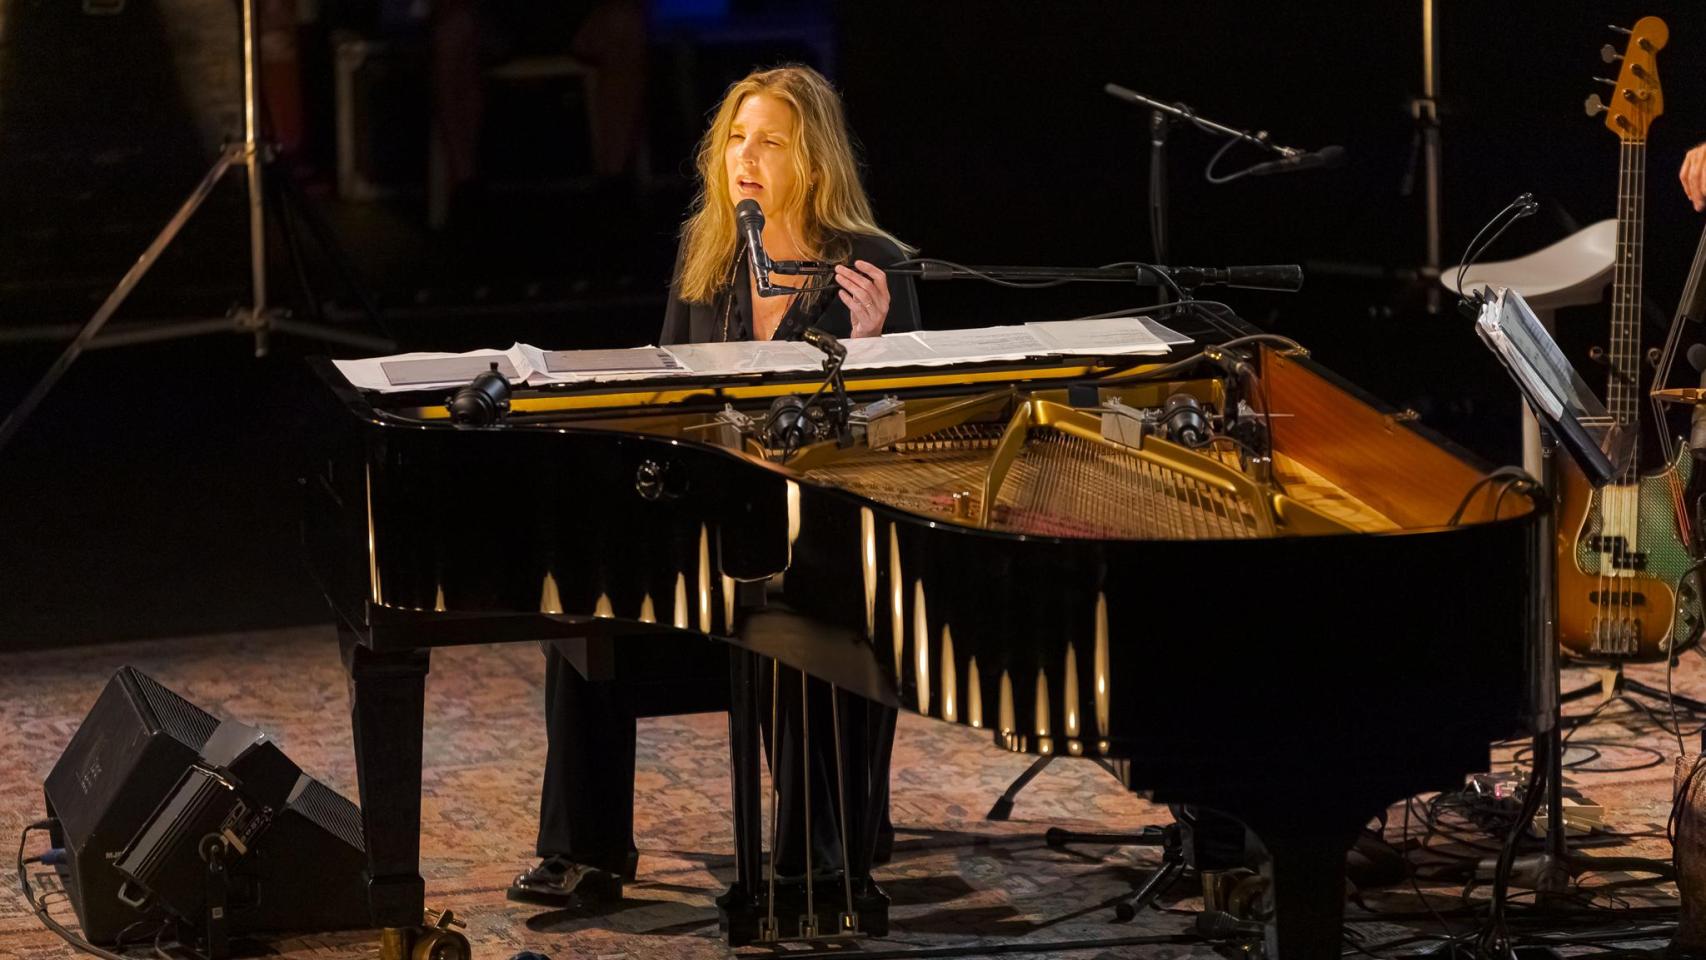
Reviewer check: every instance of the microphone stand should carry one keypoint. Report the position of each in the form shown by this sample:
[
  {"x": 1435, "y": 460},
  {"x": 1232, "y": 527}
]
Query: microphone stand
[
  {"x": 1159, "y": 126},
  {"x": 1179, "y": 111},
  {"x": 1161, "y": 118}
]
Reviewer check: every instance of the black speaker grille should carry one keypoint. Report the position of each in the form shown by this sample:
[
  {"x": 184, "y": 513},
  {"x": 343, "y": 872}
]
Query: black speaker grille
[
  {"x": 179, "y": 718},
  {"x": 338, "y": 816}
]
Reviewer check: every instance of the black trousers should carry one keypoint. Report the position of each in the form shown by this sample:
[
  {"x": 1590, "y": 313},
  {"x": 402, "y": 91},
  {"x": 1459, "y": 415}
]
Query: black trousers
[
  {"x": 586, "y": 808},
  {"x": 824, "y": 745}
]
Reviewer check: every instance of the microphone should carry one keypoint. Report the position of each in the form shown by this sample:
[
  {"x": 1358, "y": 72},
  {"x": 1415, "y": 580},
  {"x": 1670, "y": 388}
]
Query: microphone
[
  {"x": 482, "y": 401},
  {"x": 1325, "y": 157},
  {"x": 1286, "y": 277},
  {"x": 1697, "y": 423},
  {"x": 825, "y": 342},
  {"x": 750, "y": 219}
]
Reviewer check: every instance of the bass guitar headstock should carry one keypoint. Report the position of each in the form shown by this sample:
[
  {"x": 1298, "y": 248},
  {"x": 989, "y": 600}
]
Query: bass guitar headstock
[{"x": 1636, "y": 98}]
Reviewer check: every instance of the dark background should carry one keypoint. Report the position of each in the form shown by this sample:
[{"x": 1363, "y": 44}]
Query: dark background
[{"x": 155, "y": 491}]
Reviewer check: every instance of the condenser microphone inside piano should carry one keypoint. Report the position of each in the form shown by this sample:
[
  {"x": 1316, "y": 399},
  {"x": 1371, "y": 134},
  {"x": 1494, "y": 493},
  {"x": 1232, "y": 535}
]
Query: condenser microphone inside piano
[
  {"x": 482, "y": 402},
  {"x": 831, "y": 347}
]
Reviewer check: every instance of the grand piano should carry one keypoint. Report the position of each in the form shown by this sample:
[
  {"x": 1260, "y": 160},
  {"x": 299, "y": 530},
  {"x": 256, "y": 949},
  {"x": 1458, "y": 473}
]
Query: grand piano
[{"x": 1279, "y": 624}]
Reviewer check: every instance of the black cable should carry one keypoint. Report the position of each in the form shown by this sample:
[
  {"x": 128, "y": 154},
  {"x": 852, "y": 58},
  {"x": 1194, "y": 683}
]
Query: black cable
[
  {"x": 1131, "y": 312},
  {"x": 1523, "y": 206},
  {"x": 792, "y": 441},
  {"x": 1516, "y": 475},
  {"x": 1166, "y": 277},
  {"x": 1208, "y": 171},
  {"x": 1411, "y": 874},
  {"x": 1494, "y": 940},
  {"x": 39, "y": 907}
]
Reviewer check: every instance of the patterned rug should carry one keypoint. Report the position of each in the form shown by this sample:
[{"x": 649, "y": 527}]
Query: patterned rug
[{"x": 956, "y": 879}]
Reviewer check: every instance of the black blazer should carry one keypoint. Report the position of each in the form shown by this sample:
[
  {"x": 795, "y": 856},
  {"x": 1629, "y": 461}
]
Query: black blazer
[{"x": 685, "y": 322}]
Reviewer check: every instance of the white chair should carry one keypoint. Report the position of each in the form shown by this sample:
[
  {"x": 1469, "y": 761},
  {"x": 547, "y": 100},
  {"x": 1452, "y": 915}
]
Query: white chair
[{"x": 1572, "y": 272}]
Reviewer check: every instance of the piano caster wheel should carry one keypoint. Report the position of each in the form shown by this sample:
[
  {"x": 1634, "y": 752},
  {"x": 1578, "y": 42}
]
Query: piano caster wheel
[
  {"x": 442, "y": 939},
  {"x": 442, "y": 945}
]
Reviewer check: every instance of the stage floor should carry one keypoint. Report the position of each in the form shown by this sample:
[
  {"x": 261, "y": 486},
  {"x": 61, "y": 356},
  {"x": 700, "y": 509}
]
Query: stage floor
[{"x": 956, "y": 878}]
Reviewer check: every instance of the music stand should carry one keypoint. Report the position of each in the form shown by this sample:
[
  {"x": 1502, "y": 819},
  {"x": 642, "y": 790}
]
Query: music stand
[
  {"x": 1572, "y": 417},
  {"x": 1559, "y": 397}
]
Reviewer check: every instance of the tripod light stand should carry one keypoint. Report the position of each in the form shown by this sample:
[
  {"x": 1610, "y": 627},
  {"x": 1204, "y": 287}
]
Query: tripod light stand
[{"x": 258, "y": 318}]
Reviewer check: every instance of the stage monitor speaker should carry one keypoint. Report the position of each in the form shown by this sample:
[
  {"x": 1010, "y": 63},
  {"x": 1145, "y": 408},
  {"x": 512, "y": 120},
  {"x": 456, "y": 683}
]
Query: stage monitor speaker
[{"x": 131, "y": 752}]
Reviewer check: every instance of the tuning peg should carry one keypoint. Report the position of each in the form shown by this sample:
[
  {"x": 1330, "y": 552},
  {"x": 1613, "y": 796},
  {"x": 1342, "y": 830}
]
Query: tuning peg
[
  {"x": 1609, "y": 54},
  {"x": 1594, "y": 105},
  {"x": 1606, "y": 80},
  {"x": 1614, "y": 28}
]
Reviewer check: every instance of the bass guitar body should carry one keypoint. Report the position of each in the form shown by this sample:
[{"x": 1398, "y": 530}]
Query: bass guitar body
[{"x": 1622, "y": 555}]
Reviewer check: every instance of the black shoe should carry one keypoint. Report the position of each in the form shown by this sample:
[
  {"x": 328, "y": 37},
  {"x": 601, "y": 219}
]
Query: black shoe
[
  {"x": 557, "y": 882},
  {"x": 884, "y": 851}
]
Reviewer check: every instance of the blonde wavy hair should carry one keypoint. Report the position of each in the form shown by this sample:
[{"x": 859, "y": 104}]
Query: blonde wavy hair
[{"x": 833, "y": 202}]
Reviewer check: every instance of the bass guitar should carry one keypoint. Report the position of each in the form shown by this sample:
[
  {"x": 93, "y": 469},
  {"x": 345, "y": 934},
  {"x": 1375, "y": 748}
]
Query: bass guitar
[{"x": 1623, "y": 547}]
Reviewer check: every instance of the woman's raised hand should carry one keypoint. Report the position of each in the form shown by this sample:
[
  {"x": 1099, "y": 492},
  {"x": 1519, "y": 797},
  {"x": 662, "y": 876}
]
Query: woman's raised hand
[{"x": 865, "y": 290}]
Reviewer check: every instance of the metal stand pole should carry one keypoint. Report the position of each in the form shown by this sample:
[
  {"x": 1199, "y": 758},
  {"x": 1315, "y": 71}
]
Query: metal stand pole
[
  {"x": 1426, "y": 111},
  {"x": 257, "y": 318},
  {"x": 1159, "y": 125},
  {"x": 252, "y": 157},
  {"x": 1553, "y": 877}
]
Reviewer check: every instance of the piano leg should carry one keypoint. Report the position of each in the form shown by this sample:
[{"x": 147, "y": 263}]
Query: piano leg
[
  {"x": 387, "y": 703},
  {"x": 740, "y": 908},
  {"x": 1307, "y": 860}
]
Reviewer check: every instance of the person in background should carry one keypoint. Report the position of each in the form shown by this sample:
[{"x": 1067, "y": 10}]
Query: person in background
[
  {"x": 1693, "y": 176},
  {"x": 468, "y": 35}
]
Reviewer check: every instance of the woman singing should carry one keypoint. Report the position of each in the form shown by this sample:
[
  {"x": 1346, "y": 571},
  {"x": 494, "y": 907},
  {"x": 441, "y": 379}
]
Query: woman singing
[{"x": 779, "y": 137}]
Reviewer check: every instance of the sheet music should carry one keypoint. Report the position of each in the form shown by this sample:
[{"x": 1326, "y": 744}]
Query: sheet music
[
  {"x": 747, "y": 356},
  {"x": 590, "y": 362},
  {"x": 426, "y": 370},
  {"x": 1108, "y": 336},
  {"x": 525, "y": 364},
  {"x": 983, "y": 343},
  {"x": 888, "y": 350},
  {"x": 1168, "y": 335}
]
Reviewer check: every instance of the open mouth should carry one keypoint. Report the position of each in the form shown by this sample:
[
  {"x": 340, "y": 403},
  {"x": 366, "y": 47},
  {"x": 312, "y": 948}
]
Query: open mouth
[{"x": 748, "y": 186}]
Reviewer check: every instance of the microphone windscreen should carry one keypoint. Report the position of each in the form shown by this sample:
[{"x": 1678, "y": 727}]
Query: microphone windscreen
[
  {"x": 1697, "y": 357},
  {"x": 749, "y": 209}
]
